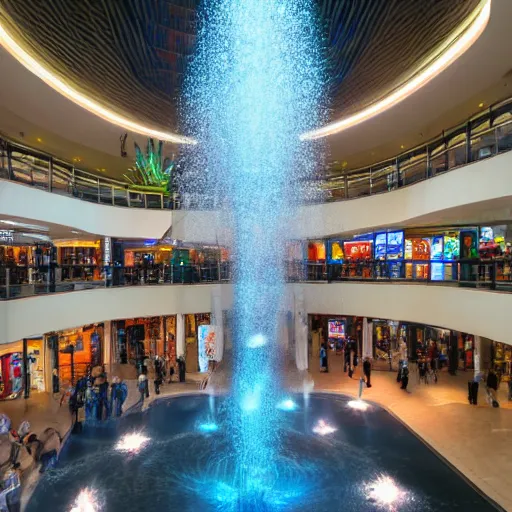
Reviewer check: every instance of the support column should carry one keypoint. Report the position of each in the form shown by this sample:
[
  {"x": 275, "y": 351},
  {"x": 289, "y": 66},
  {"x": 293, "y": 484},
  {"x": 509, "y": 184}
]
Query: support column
[
  {"x": 180, "y": 335},
  {"x": 107, "y": 347},
  {"x": 26, "y": 370}
]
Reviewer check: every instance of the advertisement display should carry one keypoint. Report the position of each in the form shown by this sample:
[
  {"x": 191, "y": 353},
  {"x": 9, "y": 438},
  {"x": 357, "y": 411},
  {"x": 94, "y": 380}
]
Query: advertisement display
[
  {"x": 421, "y": 249},
  {"x": 437, "y": 271},
  {"x": 468, "y": 244},
  {"x": 358, "y": 250},
  {"x": 380, "y": 246},
  {"x": 395, "y": 245},
  {"x": 437, "y": 248},
  {"x": 206, "y": 337},
  {"x": 336, "y": 329},
  {"x": 336, "y": 254},
  {"x": 451, "y": 248}
]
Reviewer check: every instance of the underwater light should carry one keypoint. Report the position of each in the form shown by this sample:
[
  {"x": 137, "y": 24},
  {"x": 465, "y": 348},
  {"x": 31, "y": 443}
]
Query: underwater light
[
  {"x": 131, "y": 443},
  {"x": 322, "y": 428},
  {"x": 384, "y": 491},
  {"x": 257, "y": 341},
  {"x": 86, "y": 501},
  {"x": 287, "y": 405},
  {"x": 359, "y": 405},
  {"x": 208, "y": 427}
]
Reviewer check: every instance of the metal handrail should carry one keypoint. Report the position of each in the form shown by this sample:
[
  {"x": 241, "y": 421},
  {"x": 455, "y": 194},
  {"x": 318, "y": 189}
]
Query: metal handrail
[
  {"x": 18, "y": 282},
  {"x": 36, "y": 168}
]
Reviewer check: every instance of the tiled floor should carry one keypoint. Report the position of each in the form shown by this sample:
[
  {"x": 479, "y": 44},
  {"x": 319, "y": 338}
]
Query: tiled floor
[{"x": 475, "y": 439}]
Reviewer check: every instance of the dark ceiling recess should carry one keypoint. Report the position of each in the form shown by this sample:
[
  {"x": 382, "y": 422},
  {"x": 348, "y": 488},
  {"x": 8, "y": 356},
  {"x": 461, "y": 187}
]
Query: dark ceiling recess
[{"x": 130, "y": 55}]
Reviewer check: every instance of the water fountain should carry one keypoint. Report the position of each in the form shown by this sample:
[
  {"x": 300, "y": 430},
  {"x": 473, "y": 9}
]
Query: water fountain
[{"x": 255, "y": 85}]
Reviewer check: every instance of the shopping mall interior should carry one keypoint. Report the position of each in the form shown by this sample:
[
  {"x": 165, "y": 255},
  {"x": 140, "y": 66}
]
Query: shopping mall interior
[{"x": 255, "y": 256}]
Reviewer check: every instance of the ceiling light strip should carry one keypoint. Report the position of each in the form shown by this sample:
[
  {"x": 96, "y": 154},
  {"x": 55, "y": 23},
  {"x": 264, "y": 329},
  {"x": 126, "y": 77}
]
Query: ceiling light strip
[
  {"x": 461, "y": 43},
  {"x": 58, "y": 85}
]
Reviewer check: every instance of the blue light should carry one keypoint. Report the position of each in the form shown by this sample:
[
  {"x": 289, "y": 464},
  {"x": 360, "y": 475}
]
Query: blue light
[
  {"x": 287, "y": 405},
  {"x": 255, "y": 84},
  {"x": 208, "y": 427}
]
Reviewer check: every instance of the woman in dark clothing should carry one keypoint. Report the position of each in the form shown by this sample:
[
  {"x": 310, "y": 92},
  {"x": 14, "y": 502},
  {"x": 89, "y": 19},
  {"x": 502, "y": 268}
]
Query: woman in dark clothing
[
  {"x": 492, "y": 387},
  {"x": 323, "y": 358}
]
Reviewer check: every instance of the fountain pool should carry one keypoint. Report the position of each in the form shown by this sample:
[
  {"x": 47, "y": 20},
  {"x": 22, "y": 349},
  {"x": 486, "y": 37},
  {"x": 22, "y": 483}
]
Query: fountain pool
[{"x": 331, "y": 457}]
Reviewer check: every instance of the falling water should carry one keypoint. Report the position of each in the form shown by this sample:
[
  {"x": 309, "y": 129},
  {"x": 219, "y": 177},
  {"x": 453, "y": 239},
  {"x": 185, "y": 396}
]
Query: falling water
[{"x": 254, "y": 86}]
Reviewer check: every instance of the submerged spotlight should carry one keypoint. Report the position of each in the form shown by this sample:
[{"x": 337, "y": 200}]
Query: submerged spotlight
[
  {"x": 384, "y": 491},
  {"x": 322, "y": 428},
  {"x": 131, "y": 443},
  {"x": 86, "y": 501},
  {"x": 208, "y": 427},
  {"x": 359, "y": 405},
  {"x": 257, "y": 341},
  {"x": 287, "y": 405}
]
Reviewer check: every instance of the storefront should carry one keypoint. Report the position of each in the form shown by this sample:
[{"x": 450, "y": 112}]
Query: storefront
[
  {"x": 79, "y": 260},
  {"x": 501, "y": 357},
  {"x": 192, "y": 323},
  {"x": 17, "y": 376},
  {"x": 385, "y": 344},
  {"x": 24, "y": 256},
  {"x": 74, "y": 352},
  {"x": 316, "y": 258}
]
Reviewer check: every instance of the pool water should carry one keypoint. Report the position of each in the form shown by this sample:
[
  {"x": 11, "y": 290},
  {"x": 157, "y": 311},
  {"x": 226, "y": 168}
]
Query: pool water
[{"x": 332, "y": 457}]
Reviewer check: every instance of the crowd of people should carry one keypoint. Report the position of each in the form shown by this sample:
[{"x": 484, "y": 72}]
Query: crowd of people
[
  {"x": 93, "y": 394},
  {"x": 428, "y": 362}
]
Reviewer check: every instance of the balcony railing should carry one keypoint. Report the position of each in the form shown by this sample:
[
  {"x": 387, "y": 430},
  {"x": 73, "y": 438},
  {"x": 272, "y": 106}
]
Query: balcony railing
[
  {"x": 21, "y": 282},
  {"x": 487, "y": 134}
]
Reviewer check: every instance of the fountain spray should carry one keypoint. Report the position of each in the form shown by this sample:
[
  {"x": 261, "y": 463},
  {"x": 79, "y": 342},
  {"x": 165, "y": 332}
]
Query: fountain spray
[{"x": 255, "y": 84}]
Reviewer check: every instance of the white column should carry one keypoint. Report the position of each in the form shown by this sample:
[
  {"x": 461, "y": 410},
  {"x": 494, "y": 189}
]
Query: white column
[
  {"x": 477, "y": 359},
  {"x": 107, "y": 347},
  {"x": 367, "y": 338},
  {"x": 180, "y": 335},
  {"x": 217, "y": 320}
]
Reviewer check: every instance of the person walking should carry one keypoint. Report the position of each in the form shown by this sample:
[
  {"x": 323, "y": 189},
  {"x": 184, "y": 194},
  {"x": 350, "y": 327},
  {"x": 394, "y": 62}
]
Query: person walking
[
  {"x": 473, "y": 386},
  {"x": 492, "y": 388},
  {"x": 367, "y": 370},
  {"x": 323, "y": 358},
  {"x": 143, "y": 380}
]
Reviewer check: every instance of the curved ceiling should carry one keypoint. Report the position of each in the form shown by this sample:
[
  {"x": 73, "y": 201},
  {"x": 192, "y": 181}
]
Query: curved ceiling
[{"x": 129, "y": 57}]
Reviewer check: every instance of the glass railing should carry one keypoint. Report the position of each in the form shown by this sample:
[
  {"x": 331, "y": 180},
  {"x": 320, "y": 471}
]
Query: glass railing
[
  {"x": 487, "y": 134},
  {"x": 21, "y": 282},
  {"x": 476, "y": 273}
]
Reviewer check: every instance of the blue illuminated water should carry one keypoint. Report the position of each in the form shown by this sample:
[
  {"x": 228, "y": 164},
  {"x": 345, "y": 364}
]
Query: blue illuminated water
[
  {"x": 185, "y": 468},
  {"x": 256, "y": 83}
]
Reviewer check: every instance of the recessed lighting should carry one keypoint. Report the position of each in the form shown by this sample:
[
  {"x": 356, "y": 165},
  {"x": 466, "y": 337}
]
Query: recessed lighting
[
  {"x": 77, "y": 159},
  {"x": 402, "y": 147},
  {"x": 8, "y": 42},
  {"x": 344, "y": 164},
  {"x": 461, "y": 40},
  {"x": 39, "y": 139},
  {"x": 24, "y": 226},
  {"x": 481, "y": 104}
]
